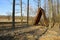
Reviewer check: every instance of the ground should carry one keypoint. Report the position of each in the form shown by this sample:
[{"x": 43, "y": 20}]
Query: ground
[{"x": 51, "y": 34}]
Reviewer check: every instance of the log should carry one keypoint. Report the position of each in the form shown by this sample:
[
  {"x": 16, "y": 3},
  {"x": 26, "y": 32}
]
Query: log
[{"x": 38, "y": 17}]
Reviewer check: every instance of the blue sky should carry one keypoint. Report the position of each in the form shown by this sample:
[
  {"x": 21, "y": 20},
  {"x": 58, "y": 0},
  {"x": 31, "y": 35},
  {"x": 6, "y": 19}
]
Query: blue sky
[{"x": 6, "y": 6}]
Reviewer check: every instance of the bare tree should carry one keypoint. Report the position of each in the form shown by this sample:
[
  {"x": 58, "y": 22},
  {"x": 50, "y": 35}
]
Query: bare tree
[
  {"x": 58, "y": 6},
  {"x": 8, "y": 15},
  {"x": 45, "y": 5},
  {"x": 50, "y": 10},
  {"x": 13, "y": 15},
  {"x": 38, "y": 3},
  {"x": 31, "y": 10},
  {"x": 27, "y": 11},
  {"x": 21, "y": 12}
]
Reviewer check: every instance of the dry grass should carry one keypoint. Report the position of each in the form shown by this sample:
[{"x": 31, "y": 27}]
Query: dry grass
[
  {"x": 51, "y": 34},
  {"x": 47, "y": 37}
]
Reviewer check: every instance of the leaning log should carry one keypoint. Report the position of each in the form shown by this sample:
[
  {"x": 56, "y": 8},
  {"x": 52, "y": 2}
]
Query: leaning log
[{"x": 38, "y": 17}]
